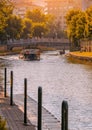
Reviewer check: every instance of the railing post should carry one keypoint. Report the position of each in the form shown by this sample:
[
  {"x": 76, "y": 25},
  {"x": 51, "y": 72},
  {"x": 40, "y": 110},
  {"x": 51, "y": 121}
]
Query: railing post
[
  {"x": 39, "y": 108},
  {"x": 64, "y": 116},
  {"x": 11, "y": 88},
  {"x": 25, "y": 101},
  {"x": 5, "y": 82}
]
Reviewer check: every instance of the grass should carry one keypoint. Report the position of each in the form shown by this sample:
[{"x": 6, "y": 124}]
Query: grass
[
  {"x": 2, "y": 124},
  {"x": 80, "y": 57},
  {"x": 83, "y": 54},
  {"x": 78, "y": 61}
]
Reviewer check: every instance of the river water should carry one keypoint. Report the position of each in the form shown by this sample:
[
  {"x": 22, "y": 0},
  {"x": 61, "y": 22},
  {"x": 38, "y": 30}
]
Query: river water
[{"x": 60, "y": 80}]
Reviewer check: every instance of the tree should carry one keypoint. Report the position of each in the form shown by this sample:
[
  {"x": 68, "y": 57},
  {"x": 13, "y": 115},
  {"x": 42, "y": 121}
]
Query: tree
[
  {"x": 41, "y": 21},
  {"x": 89, "y": 21},
  {"x": 71, "y": 22},
  {"x": 76, "y": 26},
  {"x": 81, "y": 28},
  {"x": 36, "y": 15},
  {"x": 14, "y": 27},
  {"x": 6, "y": 9},
  {"x": 39, "y": 29},
  {"x": 51, "y": 26},
  {"x": 27, "y": 28}
]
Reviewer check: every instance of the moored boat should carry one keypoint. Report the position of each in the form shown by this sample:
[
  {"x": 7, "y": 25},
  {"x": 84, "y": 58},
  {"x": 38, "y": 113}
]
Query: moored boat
[
  {"x": 62, "y": 51},
  {"x": 30, "y": 54}
]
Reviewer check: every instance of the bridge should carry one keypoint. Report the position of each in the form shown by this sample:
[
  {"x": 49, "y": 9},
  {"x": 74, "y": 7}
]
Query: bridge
[{"x": 46, "y": 42}]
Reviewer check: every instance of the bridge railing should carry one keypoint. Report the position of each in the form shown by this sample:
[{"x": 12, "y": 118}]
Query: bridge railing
[{"x": 37, "y": 40}]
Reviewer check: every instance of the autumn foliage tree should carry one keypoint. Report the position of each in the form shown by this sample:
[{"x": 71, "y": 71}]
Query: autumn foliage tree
[
  {"x": 41, "y": 22},
  {"x": 14, "y": 27},
  {"x": 79, "y": 25},
  {"x": 27, "y": 28},
  {"x": 89, "y": 22},
  {"x": 36, "y": 16},
  {"x": 39, "y": 29},
  {"x": 6, "y": 9}
]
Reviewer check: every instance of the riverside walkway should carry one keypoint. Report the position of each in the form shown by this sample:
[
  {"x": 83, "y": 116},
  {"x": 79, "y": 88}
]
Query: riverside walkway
[{"x": 14, "y": 114}]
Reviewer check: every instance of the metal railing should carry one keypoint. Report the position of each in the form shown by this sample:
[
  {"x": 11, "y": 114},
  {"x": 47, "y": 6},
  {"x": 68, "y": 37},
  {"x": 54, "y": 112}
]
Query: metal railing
[{"x": 37, "y": 40}]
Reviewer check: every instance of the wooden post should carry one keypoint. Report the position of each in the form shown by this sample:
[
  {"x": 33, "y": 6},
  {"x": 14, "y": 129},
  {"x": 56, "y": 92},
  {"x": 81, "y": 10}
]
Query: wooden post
[
  {"x": 5, "y": 82},
  {"x": 11, "y": 89},
  {"x": 39, "y": 108},
  {"x": 25, "y": 101},
  {"x": 64, "y": 116}
]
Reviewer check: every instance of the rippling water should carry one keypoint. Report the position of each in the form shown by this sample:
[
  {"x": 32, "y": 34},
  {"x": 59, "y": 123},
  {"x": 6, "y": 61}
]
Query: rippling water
[{"x": 60, "y": 80}]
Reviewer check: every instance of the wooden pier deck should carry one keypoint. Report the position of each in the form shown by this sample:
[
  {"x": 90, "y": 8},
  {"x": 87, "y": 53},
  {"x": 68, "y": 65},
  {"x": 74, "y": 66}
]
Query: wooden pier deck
[{"x": 14, "y": 114}]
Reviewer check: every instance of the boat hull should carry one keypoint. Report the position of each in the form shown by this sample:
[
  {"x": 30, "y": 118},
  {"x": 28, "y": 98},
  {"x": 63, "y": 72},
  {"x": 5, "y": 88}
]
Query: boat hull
[{"x": 30, "y": 54}]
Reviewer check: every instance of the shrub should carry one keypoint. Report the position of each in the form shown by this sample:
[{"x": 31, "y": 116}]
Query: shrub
[{"x": 2, "y": 124}]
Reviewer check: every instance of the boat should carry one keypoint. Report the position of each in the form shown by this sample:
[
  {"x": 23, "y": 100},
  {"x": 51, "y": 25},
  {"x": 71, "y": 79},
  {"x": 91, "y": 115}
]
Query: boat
[
  {"x": 30, "y": 54},
  {"x": 62, "y": 51}
]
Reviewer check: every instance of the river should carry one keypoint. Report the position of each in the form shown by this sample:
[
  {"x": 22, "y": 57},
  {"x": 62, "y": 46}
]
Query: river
[{"x": 60, "y": 80}]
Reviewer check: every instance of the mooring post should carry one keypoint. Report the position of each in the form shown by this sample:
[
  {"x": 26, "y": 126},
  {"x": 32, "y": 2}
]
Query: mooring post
[
  {"x": 39, "y": 108},
  {"x": 11, "y": 88},
  {"x": 64, "y": 124},
  {"x": 25, "y": 101},
  {"x": 5, "y": 82}
]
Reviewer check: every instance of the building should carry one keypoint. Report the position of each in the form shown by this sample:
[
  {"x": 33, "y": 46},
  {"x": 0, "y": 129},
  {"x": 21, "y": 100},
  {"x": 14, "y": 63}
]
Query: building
[
  {"x": 59, "y": 8},
  {"x": 86, "y": 4},
  {"x": 23, "y": 5}
]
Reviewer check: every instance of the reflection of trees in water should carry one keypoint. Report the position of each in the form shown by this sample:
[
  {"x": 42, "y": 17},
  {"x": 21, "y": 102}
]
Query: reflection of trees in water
[
  {"x": 4, "y": 63},
  {"x": 2, "y": 66},
  {"x": 1, "y": 77}
]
